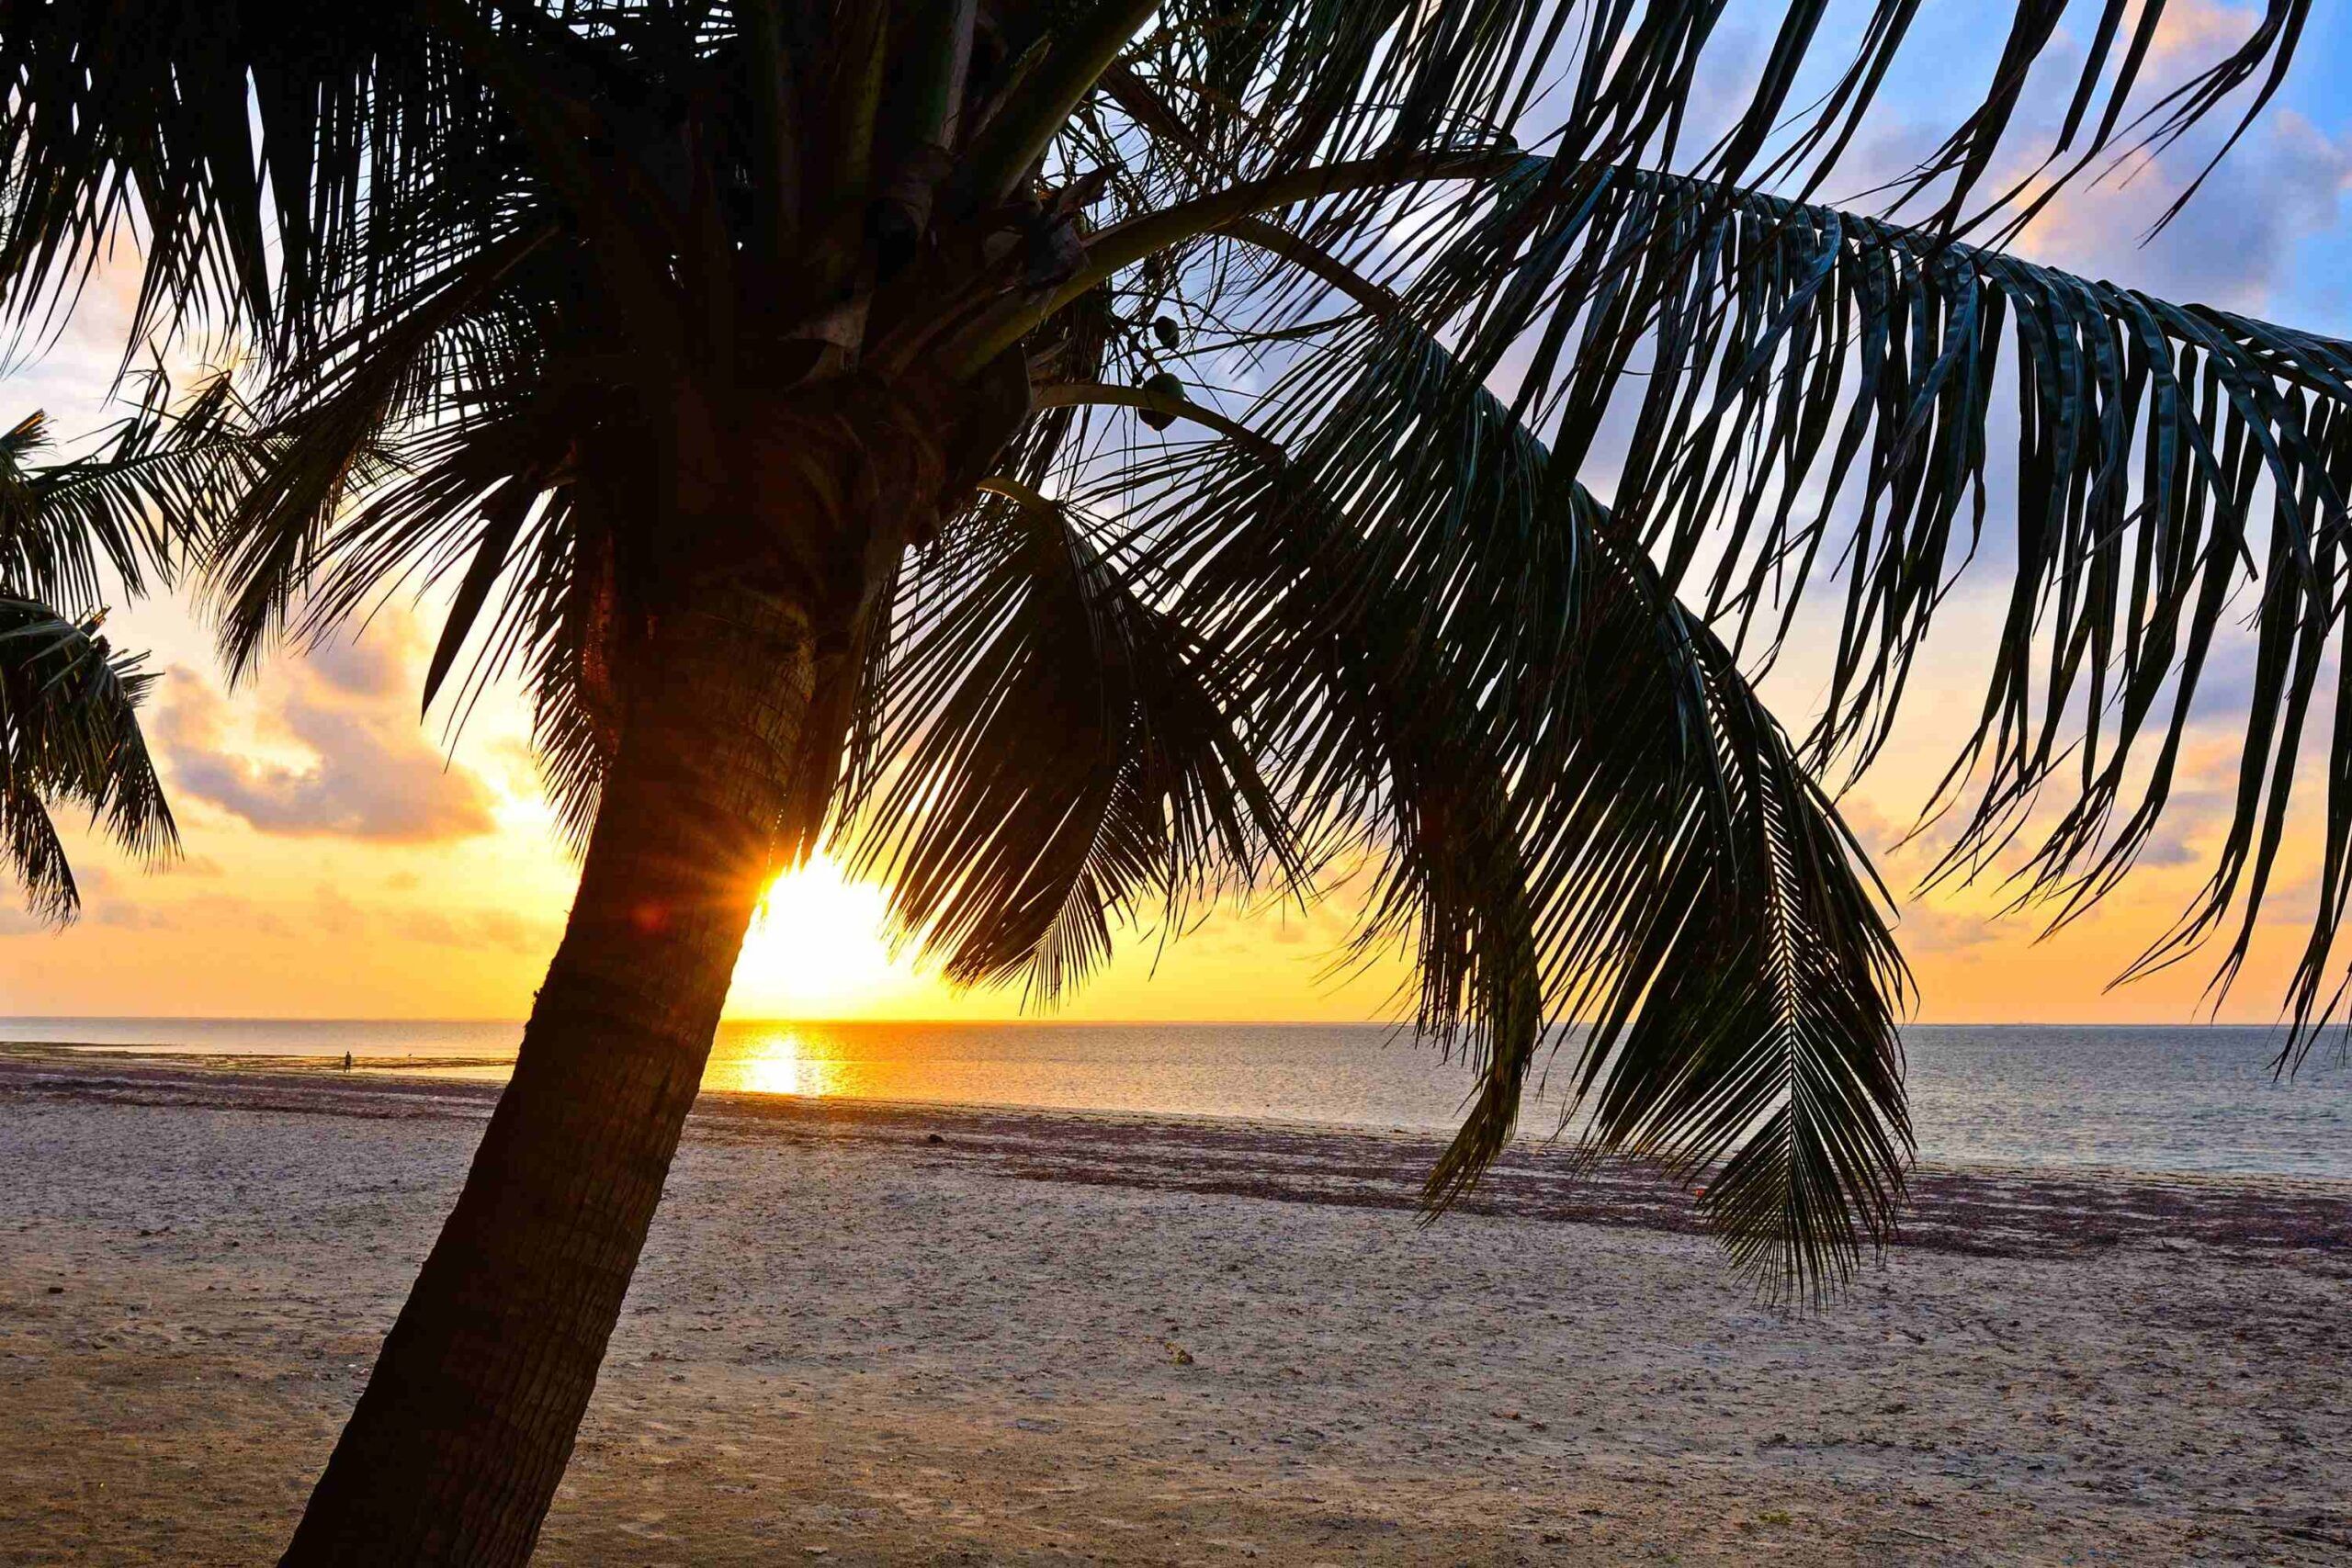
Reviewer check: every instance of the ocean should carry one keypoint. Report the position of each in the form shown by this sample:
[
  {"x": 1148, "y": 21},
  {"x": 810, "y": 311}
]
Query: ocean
[{"x": 2123, "y": 1096}]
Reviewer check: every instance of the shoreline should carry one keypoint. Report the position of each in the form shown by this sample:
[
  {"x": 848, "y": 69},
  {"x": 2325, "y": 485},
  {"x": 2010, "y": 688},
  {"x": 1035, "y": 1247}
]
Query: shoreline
[
  {"x": 1050, "y": 1338},
  {"x": 1997, "y": 1211}
]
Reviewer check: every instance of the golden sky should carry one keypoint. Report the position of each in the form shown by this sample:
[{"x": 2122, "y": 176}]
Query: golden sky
[{"x": 341, "y": 862}]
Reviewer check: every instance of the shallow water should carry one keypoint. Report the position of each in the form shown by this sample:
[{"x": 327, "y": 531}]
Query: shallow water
[{"x": 2179, "y": 1099}]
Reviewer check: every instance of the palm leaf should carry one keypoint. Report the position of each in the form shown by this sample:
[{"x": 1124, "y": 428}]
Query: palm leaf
[
  {"x": 1055, "y": 756},
  {"x": 132, "y": 508},
  {"x": 69, "y": 724},
  {"x": 255, "y": 145},
  {"x": 1451, "y": 658},
  {"x": 1814, "y": 402}
]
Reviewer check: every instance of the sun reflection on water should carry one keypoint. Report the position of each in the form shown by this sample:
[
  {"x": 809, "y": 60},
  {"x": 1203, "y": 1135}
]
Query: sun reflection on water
[{"x": 780, "y": 1062}]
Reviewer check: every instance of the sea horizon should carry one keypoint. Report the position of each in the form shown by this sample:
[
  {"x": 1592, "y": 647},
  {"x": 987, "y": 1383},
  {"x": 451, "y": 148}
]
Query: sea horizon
[{"x": 2181, "y": 1099}]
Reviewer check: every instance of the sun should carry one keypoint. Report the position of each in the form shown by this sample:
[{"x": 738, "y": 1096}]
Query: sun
[{"x": 816, "y": 947}]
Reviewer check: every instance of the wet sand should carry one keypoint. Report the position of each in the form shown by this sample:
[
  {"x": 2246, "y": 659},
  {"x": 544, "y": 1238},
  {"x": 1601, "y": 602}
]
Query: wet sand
[{"x": 891, "y": 1334}]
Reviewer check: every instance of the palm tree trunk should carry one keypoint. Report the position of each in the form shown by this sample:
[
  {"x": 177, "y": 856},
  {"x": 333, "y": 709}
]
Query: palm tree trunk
[{"x": 455, "y": 1450}]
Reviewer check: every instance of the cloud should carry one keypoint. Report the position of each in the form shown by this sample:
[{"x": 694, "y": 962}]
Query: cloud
[
  {"x": 2189, "y": 816},
  {"x": 1926, "y": 929},
  {"x": 367, "y": 666},
  {"x": 475, "y": 929},
  {"x": 328, "y": 911},
  {"x": 2293, "y": 901},
  {"x": 107, "y": 902},
  {"x": 1901, "y": 849},
  {"x": 17, "y": 921},
  {"x": 1875, "y": 831},
  {"x": 513, "y": 763},
  {"x": 2235, "y": 243},
  {"x": 336, "y": 914},
  {"x": 370, "y": 774},
  {"x": 212, "y": 913},
  {"x": 2195, "y": 33}
]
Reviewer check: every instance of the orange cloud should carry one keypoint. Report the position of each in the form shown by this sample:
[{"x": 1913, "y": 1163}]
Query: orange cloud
[
  {"x": 2195, "y": 33},
  {"x": 368, "y": 771}
]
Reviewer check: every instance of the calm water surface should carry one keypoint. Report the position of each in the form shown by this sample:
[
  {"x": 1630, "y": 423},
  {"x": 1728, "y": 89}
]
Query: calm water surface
[{"x": 2134, "y": 1097}]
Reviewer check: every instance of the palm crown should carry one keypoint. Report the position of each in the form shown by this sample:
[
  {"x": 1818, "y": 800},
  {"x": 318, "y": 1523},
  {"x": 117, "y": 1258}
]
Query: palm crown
[{"x": 522, "y": 282}]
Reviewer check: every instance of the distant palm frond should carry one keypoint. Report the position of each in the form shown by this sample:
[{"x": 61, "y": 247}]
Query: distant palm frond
[
  {"x": 137, "y": 507},
  {"x": 69, "y": 725},
  {"x": 131, "y": 510}
]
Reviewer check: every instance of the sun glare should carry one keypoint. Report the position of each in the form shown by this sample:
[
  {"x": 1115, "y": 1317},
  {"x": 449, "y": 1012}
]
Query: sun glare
[
  {"x": 776, "y": 1065},
  {"x": 815, "y": 946}
]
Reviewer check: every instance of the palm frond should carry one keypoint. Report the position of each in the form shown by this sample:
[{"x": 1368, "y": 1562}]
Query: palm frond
[
  {"x": 1454, "y": 663},
  {"x": 1211, "y": 96},
  {"x": 254, "y": 149},
  {"x": 1816, "y": 391},
  {"x": 1806, "y": 400},
  {"x": 1051, "y": 756},
  {"x": 407, "y": 421},
  {"x": 130, "y": 511},
  {"x": 69, "y": 725},
  {"x": 137, "y": 504}
]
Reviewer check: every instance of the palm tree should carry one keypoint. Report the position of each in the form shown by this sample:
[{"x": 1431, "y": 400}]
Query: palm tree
[
  {"x": 68, "y": 700},
  {"x": 814, "y": 403}
]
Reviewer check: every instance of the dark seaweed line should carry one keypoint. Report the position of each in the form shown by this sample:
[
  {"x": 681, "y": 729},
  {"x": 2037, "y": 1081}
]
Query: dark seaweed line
[{"x": 2003, "y": 1214}]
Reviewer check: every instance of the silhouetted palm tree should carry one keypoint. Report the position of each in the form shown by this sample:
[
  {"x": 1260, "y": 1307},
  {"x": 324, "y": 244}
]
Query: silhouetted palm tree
[
  {"x": 777, "y": 386},
  {"x": 68, "y": 700}
]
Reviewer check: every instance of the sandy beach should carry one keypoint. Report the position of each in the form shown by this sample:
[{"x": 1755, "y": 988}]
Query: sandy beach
[{"x": 888, "y": 1334}]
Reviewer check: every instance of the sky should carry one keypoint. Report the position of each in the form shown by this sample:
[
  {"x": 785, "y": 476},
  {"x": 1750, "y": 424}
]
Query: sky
[{"x": 344, "y": 858}]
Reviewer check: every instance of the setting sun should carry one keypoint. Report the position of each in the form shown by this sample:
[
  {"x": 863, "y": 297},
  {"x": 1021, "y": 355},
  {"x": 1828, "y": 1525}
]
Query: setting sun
[{"x": 815, "y": 946}]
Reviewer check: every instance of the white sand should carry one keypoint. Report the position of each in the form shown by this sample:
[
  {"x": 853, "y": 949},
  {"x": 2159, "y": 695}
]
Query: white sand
[{"x": 851, "y": 1342}]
